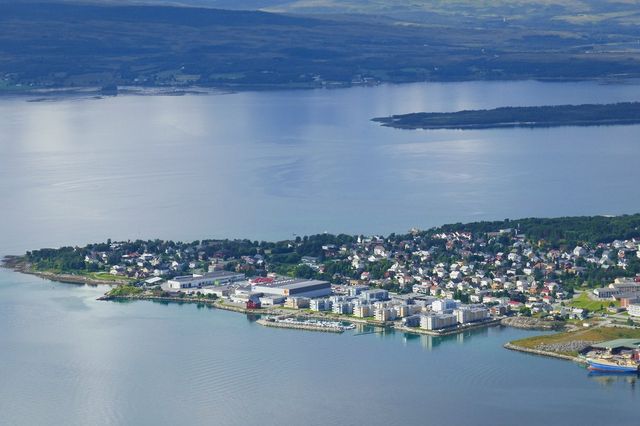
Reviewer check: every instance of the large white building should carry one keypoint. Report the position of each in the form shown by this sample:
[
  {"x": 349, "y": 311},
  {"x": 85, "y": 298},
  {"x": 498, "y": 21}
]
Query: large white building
[
  {"x": 466, "y": 315},
  {"x": 438, "y": 321},
  {"x": 444, "y": 305},
  {"x": 208, "y": 279}
]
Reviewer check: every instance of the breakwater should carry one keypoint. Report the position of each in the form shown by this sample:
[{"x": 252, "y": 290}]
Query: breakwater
[
  {"x": 300, "y": 326},
  {"x": 450, "y": 330},
  {"x": 539, "y": 352}
]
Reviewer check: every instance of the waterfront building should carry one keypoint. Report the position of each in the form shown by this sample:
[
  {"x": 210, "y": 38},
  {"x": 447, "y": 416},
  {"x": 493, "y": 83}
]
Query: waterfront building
[
  {"x": 320, "y": 304},
  {"x": 297, "y": 302},
  {"x": 403, "y": 310},
  {"x": 411, "y": 321},
  {"x": 247, "y": 299},
  {"x": 444, "y": 306},
  {"x": 222, "y": 291},
  {"x": 343, "y": 308},
  {"x": 385, "y": 314},
  {"x": 466, "y": 315},
  {"x": 295, "y": 287},
  {"x": 362, "y": 311},
  {"x": 438, "y": 321},
  {"x": 271, "y": 300},
  {"x": 203, "y": 280}
]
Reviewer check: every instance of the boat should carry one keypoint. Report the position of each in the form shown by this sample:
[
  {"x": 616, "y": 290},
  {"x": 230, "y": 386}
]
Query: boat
[{"x": 613, "y": 365}]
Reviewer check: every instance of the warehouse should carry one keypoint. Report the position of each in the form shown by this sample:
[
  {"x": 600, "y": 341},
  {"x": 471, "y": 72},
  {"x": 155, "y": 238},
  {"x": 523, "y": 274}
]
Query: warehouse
[
  {"x": 295, "y": 287},
  {"x": 198, "y": 280}
]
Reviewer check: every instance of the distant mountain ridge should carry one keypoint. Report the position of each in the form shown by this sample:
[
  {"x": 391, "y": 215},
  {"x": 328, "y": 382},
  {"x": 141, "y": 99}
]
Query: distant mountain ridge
[{"x": 67, "y": 45}]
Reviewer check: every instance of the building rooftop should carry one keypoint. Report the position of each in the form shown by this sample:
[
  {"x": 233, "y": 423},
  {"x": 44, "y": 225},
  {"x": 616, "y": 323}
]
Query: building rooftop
[
  {"x": 215, "y": 274},
  {"x": 293, "y": 284},
  {"x": 618, "y": 344}
]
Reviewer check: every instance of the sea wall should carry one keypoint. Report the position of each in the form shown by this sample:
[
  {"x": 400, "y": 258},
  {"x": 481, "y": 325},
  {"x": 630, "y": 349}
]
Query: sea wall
[{"x": 513, "y": 347}]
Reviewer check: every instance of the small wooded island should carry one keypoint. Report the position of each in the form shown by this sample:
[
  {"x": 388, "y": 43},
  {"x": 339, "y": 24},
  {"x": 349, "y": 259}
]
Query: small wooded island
[{"x": 533, "y": 116}]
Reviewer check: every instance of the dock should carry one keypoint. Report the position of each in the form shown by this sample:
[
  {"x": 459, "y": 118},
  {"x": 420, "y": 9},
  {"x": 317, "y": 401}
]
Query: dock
[{"x": 300, "y": 326}]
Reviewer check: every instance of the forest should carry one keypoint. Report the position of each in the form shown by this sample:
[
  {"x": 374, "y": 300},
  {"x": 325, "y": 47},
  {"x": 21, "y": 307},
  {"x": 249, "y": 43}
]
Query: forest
[{"x": 534, "y": 116}]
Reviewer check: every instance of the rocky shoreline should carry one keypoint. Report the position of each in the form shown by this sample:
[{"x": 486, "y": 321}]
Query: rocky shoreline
[
  {"x": 527, "y": 323},
  {"x": 15, "y": 263},
  {"x": 540, "y": 352}
]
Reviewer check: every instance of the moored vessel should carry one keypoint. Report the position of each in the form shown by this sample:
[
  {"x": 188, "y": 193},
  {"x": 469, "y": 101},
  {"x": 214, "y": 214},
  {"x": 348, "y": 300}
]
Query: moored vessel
[{"x": 613, "y": 365}]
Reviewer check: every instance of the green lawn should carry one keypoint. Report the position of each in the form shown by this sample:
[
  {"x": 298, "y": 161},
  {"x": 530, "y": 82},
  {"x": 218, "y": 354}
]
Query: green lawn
[
  {"x": 105, "y": 276},
  {"x": 584, "y": 302}
]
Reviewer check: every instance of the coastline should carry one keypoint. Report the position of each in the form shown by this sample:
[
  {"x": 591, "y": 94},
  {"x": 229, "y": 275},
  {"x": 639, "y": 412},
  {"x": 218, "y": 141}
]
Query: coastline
[
  {"x": 543, "y": 116},
  {"x": 15, "y": 264},
  {"x": 216, "y": 303},
  {"x": 539, "y": 352},
  {"x": 45, "y": 94}
]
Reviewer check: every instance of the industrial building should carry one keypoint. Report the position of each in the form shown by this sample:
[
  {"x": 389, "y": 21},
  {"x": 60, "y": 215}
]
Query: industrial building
[
  {"x": 208, "y": 279},
  {"x": 295, "y": 287}
]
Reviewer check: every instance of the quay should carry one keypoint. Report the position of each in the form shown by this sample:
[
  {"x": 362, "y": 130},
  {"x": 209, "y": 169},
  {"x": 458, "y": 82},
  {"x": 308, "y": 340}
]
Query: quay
[
  {"x": 299, "y": 325},
  {"x": 449, "y": 330}
]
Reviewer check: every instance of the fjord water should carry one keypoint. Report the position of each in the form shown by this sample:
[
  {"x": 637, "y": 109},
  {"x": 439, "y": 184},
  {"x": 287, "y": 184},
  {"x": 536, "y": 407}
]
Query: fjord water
[
  {"x": 268, "y": 165},
  {"x": 68, "y": 359},
  {"x": 265, "y": 166}
]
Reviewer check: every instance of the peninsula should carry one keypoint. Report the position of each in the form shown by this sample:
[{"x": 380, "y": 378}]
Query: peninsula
[
  {"x": 544, "y": 274},
  {"x": 531, "y": 116}
]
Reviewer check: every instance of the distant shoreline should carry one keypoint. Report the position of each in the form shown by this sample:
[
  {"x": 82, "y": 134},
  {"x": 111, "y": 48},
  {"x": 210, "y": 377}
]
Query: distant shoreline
[{"x": 44, "y": 94}]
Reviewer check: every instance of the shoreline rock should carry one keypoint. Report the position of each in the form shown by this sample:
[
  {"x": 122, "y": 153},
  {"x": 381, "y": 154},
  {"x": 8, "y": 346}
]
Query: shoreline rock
[{"x": 527, "y": 323}]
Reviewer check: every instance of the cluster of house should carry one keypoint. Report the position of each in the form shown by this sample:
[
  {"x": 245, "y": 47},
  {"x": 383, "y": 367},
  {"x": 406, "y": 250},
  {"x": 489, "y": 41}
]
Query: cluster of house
[{"x": 501, "y": 270}]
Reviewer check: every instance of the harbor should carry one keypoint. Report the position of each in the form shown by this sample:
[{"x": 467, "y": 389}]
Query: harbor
[{"x": 306, "y": 324}]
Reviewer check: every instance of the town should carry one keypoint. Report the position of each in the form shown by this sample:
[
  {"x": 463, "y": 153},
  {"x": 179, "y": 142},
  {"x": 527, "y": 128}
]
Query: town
[{"x": 439, "y": 281}]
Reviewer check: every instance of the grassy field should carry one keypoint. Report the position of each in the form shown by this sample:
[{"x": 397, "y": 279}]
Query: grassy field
[
  {"x": 584, "y": 302},
  {"x": 105, "y": 276},
  {"x": 595, "y": 334}
]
